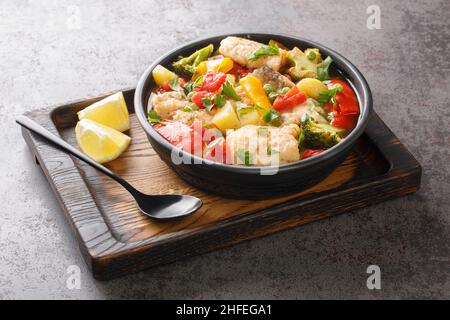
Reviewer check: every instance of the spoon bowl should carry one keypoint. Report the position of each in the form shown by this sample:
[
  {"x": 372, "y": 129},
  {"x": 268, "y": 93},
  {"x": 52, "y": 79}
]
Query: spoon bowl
[{"x": 169, "y": 206}]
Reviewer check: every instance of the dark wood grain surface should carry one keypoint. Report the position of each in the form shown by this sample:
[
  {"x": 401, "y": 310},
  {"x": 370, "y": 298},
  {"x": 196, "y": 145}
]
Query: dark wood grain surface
[{"x": 116, "y": 239}]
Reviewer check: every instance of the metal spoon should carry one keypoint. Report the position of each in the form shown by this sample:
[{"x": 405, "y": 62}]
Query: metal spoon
[{"x": 155, "y": 206}]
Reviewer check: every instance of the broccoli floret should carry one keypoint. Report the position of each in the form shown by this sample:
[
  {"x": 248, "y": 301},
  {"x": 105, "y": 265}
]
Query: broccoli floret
[
  {"x": 320, "y": 135},
  {"x": 304, "y": 64},
  {"x": 188, "y": 64}
]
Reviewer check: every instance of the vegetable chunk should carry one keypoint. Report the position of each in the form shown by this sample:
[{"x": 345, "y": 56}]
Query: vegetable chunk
[
  {"x": 241, "y": 50},
  {"x": 262, "y": 145},
  {"x": 320, "y": 135},
  {"x": 165, "y": 104},
  {"x": 226, "y": 118},
  {"x": 189, "y": 64},
  {"x": 302, "y": 66},
  {"x": 268, "y": 76}
]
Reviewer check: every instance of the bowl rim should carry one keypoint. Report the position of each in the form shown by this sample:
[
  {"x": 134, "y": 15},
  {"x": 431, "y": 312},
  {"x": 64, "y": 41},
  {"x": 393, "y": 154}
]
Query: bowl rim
[{"x": 364, "y": 99}]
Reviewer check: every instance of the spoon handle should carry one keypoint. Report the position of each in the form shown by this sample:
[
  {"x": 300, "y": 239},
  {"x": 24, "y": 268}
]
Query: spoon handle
[{"x": 64, "y": 146}]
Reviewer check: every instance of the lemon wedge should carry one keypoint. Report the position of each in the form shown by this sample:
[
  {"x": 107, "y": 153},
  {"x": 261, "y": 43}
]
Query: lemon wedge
[
  {"x": 100, "y": 142},
  {"x": 111, "y": 111}
]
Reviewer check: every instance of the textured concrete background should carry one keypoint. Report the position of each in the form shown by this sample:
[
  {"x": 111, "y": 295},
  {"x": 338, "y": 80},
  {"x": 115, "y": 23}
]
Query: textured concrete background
[{"x": 45, "y": 61}]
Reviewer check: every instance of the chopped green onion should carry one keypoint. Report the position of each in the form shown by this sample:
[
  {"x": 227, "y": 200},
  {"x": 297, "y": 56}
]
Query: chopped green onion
[
  {"x": 190, "y": 85},
  {"x": 271, "y": 151},
  {"x": 219, "y": 100},
  {"x": 269, "y": 50},
  {"x": 187, "y": 109},
  {"x": 301, "y": 139},
  {"x": 263, "y": 131},
  {"x": 228, "y": 90},
  {"x": 322, "y": 69},
  {"x": 206, "y": 101},
  {"x": 330, "y": 94},
  {"x": 174, "y": 84},
  {"x": 153, "y": 117},
  {"x": 272, "y": 118},
  {"x": 190, "y": 95},
  {"x": 245, "y": 156}
]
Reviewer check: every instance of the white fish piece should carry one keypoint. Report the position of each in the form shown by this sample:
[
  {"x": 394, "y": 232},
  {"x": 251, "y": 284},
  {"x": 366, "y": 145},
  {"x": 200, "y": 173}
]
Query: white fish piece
[
  {"x": 165, "y": 104},
  {"x": 188, "y": 117},
  {"x": 294, "y": 116},
  {"x": 239, "y": 49},
  {"x": 263, "y": 146}
]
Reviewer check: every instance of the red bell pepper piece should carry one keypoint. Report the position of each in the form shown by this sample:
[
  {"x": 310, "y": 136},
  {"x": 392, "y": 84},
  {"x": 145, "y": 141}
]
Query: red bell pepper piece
[
  {"x": 308, "y": 153},
  {"x": 346, "y": 101},
  {"x": 211, "y": 81},
  {"x": 292, "y": 98},
  {"x": 347, "y": 122}
]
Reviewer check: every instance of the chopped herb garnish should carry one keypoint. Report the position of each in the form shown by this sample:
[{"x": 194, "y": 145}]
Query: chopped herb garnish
[
  {"x": 207, "y": 103},
  {"x": 272, "y": 118},
  {"x": 326, "y": 95},
  {"x": 274, "y": 94},
  {"x": 330, "y": 116},
  {"x": 241, "y": 105},
  {"x": 245, "y": 156},
  {"x": 228, "y": 90},
  {"x": 187, "y": 109},
  {"x": 301, "y": 138},
  {"x": 174, "y": 84},
  {"x": 190, "y": 95},
  {"x": 315, "y": 102},
  {"x": 219, "y": 100},
  {"x": 323, "y": 115},
  {"x": 269, "y": 50},
  {"x": 153, "y": 117},
  {"x": 245, "y": 111},
  {"x": 271, "y": 151},
  {"x": 322, "y": 69},
  {"x": 263, "y": 131},
  {"x": 190, "y": 85},
  {"x": 244, "y": 108}
]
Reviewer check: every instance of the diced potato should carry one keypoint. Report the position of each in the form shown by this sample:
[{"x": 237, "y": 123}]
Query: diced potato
[
  {"x": 161, "y": 75},
  {"x": 226, "y": 118},
  {"x": 250, "y": 117},
  {"x": 312, "y": 87}
]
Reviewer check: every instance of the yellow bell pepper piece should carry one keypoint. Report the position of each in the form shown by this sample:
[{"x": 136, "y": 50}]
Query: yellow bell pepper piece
[
  {"x": 255, "y": 91},
  {"x": 220, "y": 65}
]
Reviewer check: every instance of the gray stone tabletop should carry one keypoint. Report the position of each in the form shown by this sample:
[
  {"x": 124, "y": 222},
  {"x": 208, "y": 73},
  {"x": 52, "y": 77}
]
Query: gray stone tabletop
[{"x": 56, "y": 51}]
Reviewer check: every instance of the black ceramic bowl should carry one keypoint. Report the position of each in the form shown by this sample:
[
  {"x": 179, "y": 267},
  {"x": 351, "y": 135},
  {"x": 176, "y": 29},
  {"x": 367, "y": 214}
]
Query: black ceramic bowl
[{"x": 248, "y": 182}]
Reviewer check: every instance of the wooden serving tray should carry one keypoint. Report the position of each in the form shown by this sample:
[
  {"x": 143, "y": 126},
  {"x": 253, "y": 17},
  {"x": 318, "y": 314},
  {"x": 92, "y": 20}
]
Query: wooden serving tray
[{"x": 116, "y": 239}]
